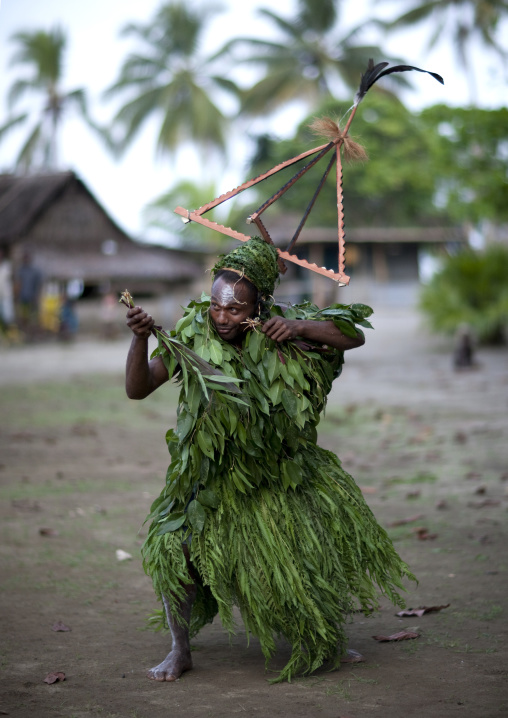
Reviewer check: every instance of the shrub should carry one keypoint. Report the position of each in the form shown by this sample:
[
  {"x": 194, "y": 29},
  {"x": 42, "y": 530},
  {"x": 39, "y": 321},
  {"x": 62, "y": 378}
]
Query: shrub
[{"x": 471, "y": 288}]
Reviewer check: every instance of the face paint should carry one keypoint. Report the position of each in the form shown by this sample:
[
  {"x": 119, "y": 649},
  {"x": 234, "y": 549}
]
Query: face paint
[{"x": 231, "y": 304}]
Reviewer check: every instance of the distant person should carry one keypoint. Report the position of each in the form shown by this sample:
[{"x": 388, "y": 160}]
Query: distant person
[
  {"x": 28, "y": 287},
  {"x": 109, "y": 309},
  {"x": 463, "y": 353},
  {"x": 68, "y": 318},
  {"x": 6, "y": 292}
]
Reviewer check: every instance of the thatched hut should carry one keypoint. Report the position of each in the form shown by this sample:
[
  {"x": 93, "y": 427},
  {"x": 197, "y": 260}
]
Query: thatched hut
[
  {"x": 386, "y": 264},
  {"x": 71, "y": 237}
]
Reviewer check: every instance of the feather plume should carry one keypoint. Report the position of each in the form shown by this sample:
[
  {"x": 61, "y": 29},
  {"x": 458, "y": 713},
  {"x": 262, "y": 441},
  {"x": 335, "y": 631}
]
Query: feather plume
[
  {"x": 375, "y": 72},
  {"x": 329, "y": 129}
]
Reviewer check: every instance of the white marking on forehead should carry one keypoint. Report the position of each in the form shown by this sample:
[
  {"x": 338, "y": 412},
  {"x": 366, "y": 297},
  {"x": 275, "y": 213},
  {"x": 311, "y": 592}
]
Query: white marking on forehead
[{"x": 225, "y": 293}]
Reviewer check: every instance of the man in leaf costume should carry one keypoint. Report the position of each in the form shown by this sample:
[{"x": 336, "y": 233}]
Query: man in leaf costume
[{"x": 254, "y": 514}]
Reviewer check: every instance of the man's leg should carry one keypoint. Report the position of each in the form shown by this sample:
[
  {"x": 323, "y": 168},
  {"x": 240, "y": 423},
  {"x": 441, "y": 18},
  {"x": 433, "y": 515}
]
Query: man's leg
[{"x": 179, "y": 658}]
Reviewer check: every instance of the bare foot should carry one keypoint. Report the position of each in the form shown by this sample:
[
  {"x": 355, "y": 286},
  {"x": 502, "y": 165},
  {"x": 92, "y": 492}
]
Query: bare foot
[
  {"x": 352, "y": 657},
  {"x": 172, "y": 667}
]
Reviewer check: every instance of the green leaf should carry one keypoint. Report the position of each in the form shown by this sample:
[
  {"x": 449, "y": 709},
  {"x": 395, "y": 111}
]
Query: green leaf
[
  {"x": 291, "y": 474},
  {"x": 193, "y": 396},
  {"x": 203, "y": 469},
  {"x": 184, "y": 424},
  {"x": 185, "y": 321},
  {"x": 215, "y": 351},
  {"x": 242, "y": 434},
  {"x": 255, "y": 345},
  {"x": 260, "y": 397},
  {"x": 271, "y": 364},
  {"x": 203, "y": 351},
  {"x": 289, "y": 403},
  {"x": 295, "y": 370},
  {"x": 171, "y": 437},
  {"x": 275, "y": 392},
  {"x": 363, "y": 310},
  {"x": 233, "y": 421},
  {"x": 256, "y": 436},
  {"x": 205, "y": 443},
  {"x": 288, "y": 379},
  {"x": 208, "y": 498},
  {"x": 197, "y": 516},
  {"x": 236, "y": 400},
  {"x": 222, "y": 379},
  {"x": 172, "y": 523},
  {"x": 346, "y": 328}
]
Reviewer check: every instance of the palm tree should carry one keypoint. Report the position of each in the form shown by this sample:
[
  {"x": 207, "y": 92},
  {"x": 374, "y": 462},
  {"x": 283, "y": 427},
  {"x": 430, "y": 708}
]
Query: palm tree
[
  {"x": 310, "y": 61},
  {"x": 167, "y": 78},
  {"x": 43, "y": 53},
  {"x": 466, "y": 21}
]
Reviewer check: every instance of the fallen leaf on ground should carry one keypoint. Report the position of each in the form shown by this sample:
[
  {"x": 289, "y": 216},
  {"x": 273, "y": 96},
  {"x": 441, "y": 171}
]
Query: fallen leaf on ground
[
  {"x": 50, "y": 533},
  {"x": 59, "y": 626},
  {"x": 481, "y": 490},
  {"x": 420, "y": 611},
  {"x": 400, "y": 636},
  {"x": 54, "y": 677},
  {"x": 413, "y": 494},
  {"x": 442, "y": 504},
  {"x": 403, "y": 522},
  {"x": 122, "y": 555},
  {"x": 473, "y": 475},
  {"x": 482, "y": 504},
  {"x": 368, "y": 489},
  {"x": 422, "y": 534}
]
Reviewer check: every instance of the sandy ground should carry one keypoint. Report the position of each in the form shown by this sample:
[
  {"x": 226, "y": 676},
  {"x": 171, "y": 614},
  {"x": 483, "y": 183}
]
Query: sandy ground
[{"x": 80, "y": 460}]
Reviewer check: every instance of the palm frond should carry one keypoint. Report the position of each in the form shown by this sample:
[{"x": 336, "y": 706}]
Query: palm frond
[
  {"x": 35, "y": 142},
  {"x": 10, "y": 124}
]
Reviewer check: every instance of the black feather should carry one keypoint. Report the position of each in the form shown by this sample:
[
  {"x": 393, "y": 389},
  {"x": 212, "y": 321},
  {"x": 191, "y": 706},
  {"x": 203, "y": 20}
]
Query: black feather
[{"x": 374, "y": 72}]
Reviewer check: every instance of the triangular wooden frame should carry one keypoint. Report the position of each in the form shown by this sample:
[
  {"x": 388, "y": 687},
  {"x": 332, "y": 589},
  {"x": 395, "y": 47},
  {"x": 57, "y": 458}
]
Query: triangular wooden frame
[
  {"x": 332, "y": 147},
  {"x": 371, "y": 76}
]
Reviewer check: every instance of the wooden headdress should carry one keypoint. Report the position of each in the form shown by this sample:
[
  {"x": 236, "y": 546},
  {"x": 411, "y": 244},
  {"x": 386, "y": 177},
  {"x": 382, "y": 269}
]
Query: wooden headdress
[{"x": 339, "y": 139}]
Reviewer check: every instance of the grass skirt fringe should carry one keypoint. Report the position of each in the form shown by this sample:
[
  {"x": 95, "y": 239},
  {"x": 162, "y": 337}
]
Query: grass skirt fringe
[{"x": 296, "y": 563}]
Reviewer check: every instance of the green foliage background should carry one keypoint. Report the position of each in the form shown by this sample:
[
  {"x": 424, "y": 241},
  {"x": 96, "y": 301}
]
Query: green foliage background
[
  {"x": 443, "y": 166},
  {"x": 471, "y": 288}
]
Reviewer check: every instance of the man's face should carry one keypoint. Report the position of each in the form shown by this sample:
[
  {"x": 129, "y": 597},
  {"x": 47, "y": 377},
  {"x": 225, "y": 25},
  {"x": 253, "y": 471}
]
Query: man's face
[{"x": 231, "y": 304}]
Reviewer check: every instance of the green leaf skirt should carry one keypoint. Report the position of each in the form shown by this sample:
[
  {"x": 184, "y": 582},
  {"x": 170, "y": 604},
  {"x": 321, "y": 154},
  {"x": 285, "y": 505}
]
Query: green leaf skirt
[{"x": 296, "y": 562}]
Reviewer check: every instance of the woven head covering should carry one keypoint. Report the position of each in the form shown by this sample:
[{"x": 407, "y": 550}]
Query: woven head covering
[{"x": 256, "y": 260}]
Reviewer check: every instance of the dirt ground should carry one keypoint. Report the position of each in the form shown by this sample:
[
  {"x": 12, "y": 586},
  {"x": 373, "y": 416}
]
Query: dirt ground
[{"x": 80, "y": 465}]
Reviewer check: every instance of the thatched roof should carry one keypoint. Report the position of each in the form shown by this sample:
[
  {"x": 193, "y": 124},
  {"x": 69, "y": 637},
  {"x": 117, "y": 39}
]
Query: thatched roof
[
  {"x": 71, "y": 235},
  {"x": 23, "y": 199}
]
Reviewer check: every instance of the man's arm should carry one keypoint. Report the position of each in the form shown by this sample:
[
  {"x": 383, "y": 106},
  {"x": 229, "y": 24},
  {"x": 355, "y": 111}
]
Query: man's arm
[
  {"x": 142, "y": 376},
  {"x": 280, "y": 330}
]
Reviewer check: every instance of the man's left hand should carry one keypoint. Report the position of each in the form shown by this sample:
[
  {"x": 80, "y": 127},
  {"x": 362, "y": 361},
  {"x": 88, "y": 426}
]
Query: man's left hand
[{"x": 280, "y": 329}]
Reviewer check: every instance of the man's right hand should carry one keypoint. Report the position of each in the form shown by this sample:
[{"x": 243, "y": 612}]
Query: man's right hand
[{"x": 139, "y": 322}]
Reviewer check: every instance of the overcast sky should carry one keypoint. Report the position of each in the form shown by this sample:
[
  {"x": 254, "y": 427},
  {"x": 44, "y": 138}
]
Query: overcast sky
[{"x": 95, "y": 53}]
